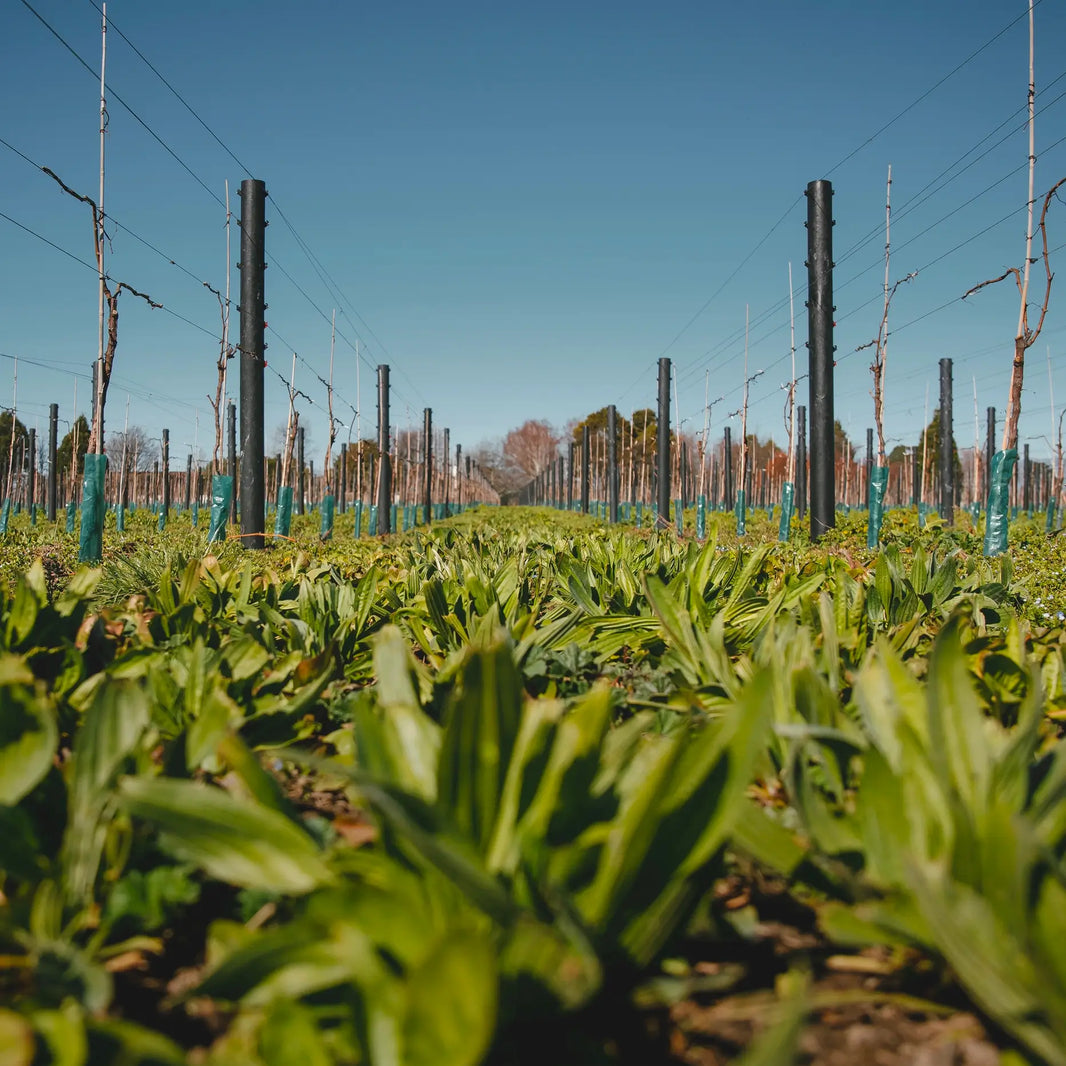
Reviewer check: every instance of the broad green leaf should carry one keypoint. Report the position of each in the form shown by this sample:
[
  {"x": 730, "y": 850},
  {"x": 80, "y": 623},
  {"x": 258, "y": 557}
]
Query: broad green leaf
[
  {"x": 451, "y": 1003},
  {"x": 480, "y": 729},
  {"x": 113, "y": 726},
  {"x": 17, "y": 1045},
  {"x": 63, "y": 1033},
  {"x": 290, "y": 1037},
  {"x": 239, "y": 843},
  {"x": 28, "y": 733}
]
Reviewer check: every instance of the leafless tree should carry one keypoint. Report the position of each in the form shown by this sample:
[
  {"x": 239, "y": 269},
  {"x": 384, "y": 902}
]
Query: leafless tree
[{"x": 111, "y": 295}]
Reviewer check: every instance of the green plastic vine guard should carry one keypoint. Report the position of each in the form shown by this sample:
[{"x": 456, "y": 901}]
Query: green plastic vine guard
[
  {"x": 5, "y": 517},
  {"x": 120, "y": 518},
  {"x": 998, "y": 494},
  {"x": 741, "y": 513},
  {"x": 875, "y": 504},
  {"x": 788, "y": 505},
  {"x": 639, "y": 523},
  {"x": 358, "y": 527},
  {"x": 72, "y": 511},
  {"x": 221, "y": 504},
  {"x": 1049, "y": 522},
  {"x": 328, "y": 507},
  {"x": 91, "y": 540},
  {"x": 701, "y": 518},
  {"x": 679, "y": 513},
  {"x": 372, "y": 523},
  {"x": 283, "y": 517}
]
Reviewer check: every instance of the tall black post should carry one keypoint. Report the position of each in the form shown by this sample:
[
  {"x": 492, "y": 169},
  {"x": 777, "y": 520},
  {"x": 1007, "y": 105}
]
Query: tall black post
[
  {"x": 188, "y": 482},
  {"x": 946, "y": 446},
  {"x": 728, "y": 499},
  {"x": 342, "y": 495},
  {"x": 990, "y": 446},
  {"x": 427, "y": 463},
  {"x": 384, "y": 457},
  {"x": 459, "y": 475},
  {"x": 231, "y": 447},
  {"x": 53, "y": 448},
  {"x": 570, "y": 477},
  {"x": 446, "y": 472},
  {"x": 612, "y": 463},
  {"x": 166, "y": 471},
  {"x": 585, "y": 472},
  {"x": 300, "y": 470},
  {"x": 916, "y": 477},
  {"x": 31, "y": 466},
  {"x": 560, "y": 475},
  {"x": 801, "y": 461},
  {"x": 662, "y": 440},
  {"x": 252, "y": 309},
  {"x": 1027, "y": 473},
  {"x": 869, "y": 459},
  {"x": 820, "y": 347}
]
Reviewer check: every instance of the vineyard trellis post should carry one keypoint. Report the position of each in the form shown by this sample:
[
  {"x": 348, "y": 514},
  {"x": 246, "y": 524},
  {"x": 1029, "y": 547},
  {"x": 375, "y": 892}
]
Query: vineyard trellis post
[
  {"x": 165, "y": 461},
  {"x": 231, "y": 411},
  {"x": 53, "y": 449},
  {"x": 253, "y": 347},
  {"x": 570, "y": 477},
  {"x": 820, "y": 347},
  {"x": 727, "y": 467},
  {"x": 459, "y": 477},
  {"x": 1027, "y": 475},
  {"x": 662, "y": 441},
  {"x": 384, "y": 497},
  {"x": 446, "y": 470},
  {"x": 946, "y": 445},
  {"x": 585, "y": 472},
  {"x": 427, "y": 464},
  {"x": 801, "y": 461},
  {"x": 31, "y": 488},
  {"x": 612, "y": 463},
  {"x": 300, "y": 484},
  {"x": 188, "y": 483}
]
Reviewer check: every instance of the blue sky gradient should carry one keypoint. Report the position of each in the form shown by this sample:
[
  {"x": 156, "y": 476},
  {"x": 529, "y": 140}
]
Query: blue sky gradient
[{"x": 524, "y": 206}]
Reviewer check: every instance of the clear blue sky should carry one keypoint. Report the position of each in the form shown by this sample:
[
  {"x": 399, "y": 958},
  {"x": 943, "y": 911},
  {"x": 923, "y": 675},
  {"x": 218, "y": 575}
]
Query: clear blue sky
[{"x": 527, "y": 204}]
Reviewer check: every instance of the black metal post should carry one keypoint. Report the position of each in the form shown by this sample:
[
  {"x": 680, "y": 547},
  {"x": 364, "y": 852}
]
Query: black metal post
[
  {"x": 385, "y": 459},
  {"x": 570, "y": 477},
  {"x": 252, "y": 309},
  {"x": 990, "y": 446},
  {"x": 53, "y": 448},
  {"x": 585, "y": 473},
  {"x": 916, "y": 477},
  {"x": 662, "y": 440},
  {"x": 300, "y": 470},
  {"x": 946, "y": 446},
  {"x": 728, "y": 499},
  {"x": 31, "y": 495},
  {"x": 166, "y": 471},
  {"x": 1027, "y": 473},
  {"x": 869, "y": 459},
  {"x": 820, "y": 347},
  {"x": 612, "y": 463},
  {"x": 343, "y": 486},
  {"x": 231, "y": 433},
  {"x": 801, "y": 461},
  {"x": 427, "y": 462},
  {"x": 459, "y": 475},
  {"x": 188, "y": 482},
  {"x": 447, "y": 471}
]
